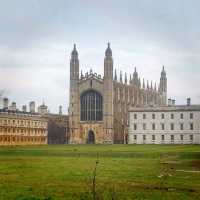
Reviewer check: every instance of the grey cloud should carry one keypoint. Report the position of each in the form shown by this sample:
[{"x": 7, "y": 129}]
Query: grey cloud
[{"x": 38, "y": 35}]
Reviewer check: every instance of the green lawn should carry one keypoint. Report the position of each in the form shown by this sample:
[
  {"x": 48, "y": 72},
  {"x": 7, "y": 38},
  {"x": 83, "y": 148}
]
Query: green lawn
[{"x": 123, "y": 172}]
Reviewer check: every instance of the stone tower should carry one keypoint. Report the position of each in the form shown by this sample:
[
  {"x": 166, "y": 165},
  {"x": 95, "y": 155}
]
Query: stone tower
[
  {"x": 74, "y": 96},
  {"x": 108, "y": 96},
  {"x": 163, "y": 87}
]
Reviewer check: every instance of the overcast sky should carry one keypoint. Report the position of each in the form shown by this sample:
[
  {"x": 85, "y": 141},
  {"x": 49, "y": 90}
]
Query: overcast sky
[{"x": 37, "y": 36}]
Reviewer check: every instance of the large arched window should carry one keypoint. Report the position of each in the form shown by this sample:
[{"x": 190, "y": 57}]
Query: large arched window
[{"x": 91, "y": 106}]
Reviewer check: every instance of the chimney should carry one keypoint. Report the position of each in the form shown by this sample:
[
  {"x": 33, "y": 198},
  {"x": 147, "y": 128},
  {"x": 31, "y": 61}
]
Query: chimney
[
  {"x": 169, "y": 102},
  {"x": 32, "y": 107},
  {"x": 43, "y": 109},
  {"x": 13, "y": 106},
  {"x": 173, "y": 102},
  {"x": 60, "y": 110},
  {"x": 5, "y": 103},
  {"x": 188, "y": 101},
  {"x": 24, "y": 108}
]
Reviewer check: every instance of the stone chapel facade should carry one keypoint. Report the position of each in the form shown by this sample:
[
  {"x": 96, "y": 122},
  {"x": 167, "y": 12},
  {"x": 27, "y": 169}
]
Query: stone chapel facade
[{"x": 98, "y": 106}]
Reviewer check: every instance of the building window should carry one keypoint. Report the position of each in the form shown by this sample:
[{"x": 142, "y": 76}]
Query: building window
[
  {"x": 172, "y": 126},
  {"x": 191, "y": 137},
  {"x": 144, "y": 137},
  {"x": 191, "y": 126},
  {"x": 163, "y": 116},
  {"x": 181, "y": 126},
  {"x": 163, "y": 126},
  {"x": 172, "y": 116},
  {"x": 91, "y": 106},
  {"x": 153, "y": 137},
  {"x": 162, "y": 137},
  {"x": 181, "y": 137},
  {"x": 128, "y": 96},
  {"x": 191, "y": 115},
  {"x": 144, "y": 126},
  {"x": 135, "y": 126},
  {"x": 135, "y": 137},
  {"x": 118, "y": 93},
  {"x": 181, "y": 115},
  {"x": 135, "y": 116},
  {"x": 153, "y": 116},
  {"x": 144, "y": 116},
  {"x": 172, "y": 138},
  {"x": 153, "y": 126}
]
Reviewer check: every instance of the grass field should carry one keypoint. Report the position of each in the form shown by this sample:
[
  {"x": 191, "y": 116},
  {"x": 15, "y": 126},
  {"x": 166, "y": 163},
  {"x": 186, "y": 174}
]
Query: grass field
[{"x": 123, "y": 172}]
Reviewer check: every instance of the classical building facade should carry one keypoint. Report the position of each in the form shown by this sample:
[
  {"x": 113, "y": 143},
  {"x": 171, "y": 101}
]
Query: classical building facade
[
  {"x": 22, "y": 128},
  {"x": 98, "y": 106},
  {"x": 165, "y": 125}
]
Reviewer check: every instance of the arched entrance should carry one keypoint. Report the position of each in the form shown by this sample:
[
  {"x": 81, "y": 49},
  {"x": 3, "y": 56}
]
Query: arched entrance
[{"x": 91, "y": 137}]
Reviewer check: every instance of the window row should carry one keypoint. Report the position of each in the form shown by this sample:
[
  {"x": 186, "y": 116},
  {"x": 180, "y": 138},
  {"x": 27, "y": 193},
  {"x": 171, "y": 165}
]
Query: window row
[
  {"x": 21, "y": 122},
  {"x": 163, "y": 126},
  {"x": 21, "y": 139},
  {"x": 172, "y": 137},
  {"x": 162, "y": 116},
  {"x": 29, "y": 131}
]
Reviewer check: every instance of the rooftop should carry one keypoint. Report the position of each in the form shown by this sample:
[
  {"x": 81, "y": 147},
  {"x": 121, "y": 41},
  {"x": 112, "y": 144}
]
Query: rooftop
[
  {"x": 17, "y": 112},
  {"x": 165, "y": 108}
]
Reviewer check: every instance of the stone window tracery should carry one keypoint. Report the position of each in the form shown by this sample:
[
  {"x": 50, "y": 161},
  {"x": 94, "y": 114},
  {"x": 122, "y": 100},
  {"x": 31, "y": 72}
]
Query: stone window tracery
[{"x": 91, "y": 106}]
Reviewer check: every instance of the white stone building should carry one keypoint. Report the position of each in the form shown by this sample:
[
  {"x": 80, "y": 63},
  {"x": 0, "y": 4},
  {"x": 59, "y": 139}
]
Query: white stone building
[{"x": 165, "y": 125}]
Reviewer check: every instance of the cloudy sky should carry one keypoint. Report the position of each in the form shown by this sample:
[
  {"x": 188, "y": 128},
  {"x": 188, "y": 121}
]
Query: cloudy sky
[{"x": 37, "y": 36}]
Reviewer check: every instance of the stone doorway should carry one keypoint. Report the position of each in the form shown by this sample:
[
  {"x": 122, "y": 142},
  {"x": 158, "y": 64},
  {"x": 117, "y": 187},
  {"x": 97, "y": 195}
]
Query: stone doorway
[{"x": 91, "y": 137}]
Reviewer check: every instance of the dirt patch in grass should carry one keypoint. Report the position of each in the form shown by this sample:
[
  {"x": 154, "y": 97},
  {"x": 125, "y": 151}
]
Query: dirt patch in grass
[{"x": 196, "y": 164}]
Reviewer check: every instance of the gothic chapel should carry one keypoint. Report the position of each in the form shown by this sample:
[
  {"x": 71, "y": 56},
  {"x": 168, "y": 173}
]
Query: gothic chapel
[{"x": 98, "y": 106}]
